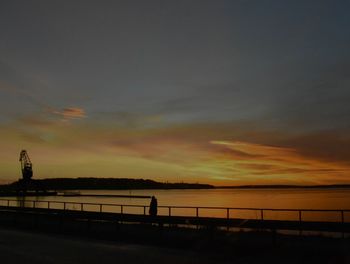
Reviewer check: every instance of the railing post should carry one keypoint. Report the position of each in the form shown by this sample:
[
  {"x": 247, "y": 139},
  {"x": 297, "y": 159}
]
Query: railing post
[
  {"x": 121, "y": 209},
  {"x": 262, "y": 214},
  {"x": 228, "y": 217},
  {"x": 342, "y": 216},
  {"x": 197, "y": 212},
  {"x": 64, "y": 206},
  {"x": 8, "y": 203},
  {"x": 342, "y": 223},
  {"x": 144, "y": 210},
  {"x": 169, "y": 211},
  {"x": 100, "y": 208},
  {"x": 33, "y": 204},
  {"x": 48, "y": 204},
  {"x": 81, "y": 207},
  {"x": 300, "y": 228}
]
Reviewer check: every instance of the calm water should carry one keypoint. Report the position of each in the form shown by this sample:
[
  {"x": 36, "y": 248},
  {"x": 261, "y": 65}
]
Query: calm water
[{"x": 247, "y": 198}]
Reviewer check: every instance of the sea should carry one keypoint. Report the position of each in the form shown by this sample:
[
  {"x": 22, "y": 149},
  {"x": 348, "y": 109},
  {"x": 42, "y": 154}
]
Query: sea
[{"x": 231, "y": 203}]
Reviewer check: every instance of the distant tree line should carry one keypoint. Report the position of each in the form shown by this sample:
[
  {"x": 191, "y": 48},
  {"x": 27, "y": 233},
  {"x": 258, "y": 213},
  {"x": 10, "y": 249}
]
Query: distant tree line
[{"x": 103, "y": 183}]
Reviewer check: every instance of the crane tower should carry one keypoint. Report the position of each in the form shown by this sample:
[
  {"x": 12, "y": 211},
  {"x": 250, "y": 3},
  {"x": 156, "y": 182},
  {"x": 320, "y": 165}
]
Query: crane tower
[{"x": 26, "y": 166}]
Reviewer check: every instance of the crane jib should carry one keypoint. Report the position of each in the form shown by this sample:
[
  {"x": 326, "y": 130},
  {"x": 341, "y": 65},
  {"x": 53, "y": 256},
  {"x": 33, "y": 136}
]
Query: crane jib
[{"x": 26, "y": 165}]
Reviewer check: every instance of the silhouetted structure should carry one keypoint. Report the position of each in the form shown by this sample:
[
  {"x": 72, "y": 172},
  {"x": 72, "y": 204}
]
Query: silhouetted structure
[
  {"x": 26, "y": 166},
  {"x": 153, "y": 206},
  {"x": 25, "y": 183}
]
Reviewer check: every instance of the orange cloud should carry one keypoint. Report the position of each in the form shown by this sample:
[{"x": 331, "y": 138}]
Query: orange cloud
[
  {"x": 263, "y": 164},
  {"x": 71, "y": 113}
]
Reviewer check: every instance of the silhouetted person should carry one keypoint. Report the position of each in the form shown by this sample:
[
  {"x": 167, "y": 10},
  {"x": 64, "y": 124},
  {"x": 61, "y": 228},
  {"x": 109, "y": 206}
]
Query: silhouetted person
[{"x": 153, "y": 206}]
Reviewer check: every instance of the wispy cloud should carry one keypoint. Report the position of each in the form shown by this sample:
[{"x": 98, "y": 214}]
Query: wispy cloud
[
  {"x": 70, "y": 113},
  {"x": 280, "y": 164},
  {"x": 251, "y": 149}
]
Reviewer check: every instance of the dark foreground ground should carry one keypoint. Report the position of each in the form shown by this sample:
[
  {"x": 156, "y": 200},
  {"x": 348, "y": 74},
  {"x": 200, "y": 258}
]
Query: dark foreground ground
[
  {"x": 28, "y": 246},
  {"x": 37, "y": 236}
]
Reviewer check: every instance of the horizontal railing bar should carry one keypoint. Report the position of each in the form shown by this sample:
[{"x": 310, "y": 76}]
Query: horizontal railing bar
[
  {"x": 79, "y": 203},
  {"x": 254, "y": 209},
  {"x": 183, "y": 207}
]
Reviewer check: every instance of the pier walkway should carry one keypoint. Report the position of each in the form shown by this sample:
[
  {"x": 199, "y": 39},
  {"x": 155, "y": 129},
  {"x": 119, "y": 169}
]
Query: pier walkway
[{"x": 184, "y": 216}]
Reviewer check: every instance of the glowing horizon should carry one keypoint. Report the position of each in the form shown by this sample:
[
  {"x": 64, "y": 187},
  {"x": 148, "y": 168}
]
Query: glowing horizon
[{"x": 187, "y": 153}]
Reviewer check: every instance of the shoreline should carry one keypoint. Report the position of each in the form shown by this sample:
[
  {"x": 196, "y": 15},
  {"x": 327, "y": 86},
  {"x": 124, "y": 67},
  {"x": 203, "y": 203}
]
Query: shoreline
[{"x": 68, "y": 184}]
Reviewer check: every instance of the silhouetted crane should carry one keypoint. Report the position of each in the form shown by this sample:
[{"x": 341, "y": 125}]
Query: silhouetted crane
[{"x": 26, "y": 166}]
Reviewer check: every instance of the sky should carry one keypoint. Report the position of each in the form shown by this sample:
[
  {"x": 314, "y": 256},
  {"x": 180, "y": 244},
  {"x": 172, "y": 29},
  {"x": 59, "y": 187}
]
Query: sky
[{"x": 221, "y": 92}]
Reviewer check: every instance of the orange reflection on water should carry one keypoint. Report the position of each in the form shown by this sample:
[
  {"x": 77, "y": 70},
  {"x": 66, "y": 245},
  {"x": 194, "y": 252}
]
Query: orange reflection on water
[{"x": 184, "y": 202}]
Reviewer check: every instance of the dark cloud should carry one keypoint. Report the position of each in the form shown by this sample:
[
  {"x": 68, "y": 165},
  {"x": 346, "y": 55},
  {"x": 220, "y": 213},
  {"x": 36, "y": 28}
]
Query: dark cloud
[
  {"x": 327, "y": 146},
  {"x": 316, "y": 102}
]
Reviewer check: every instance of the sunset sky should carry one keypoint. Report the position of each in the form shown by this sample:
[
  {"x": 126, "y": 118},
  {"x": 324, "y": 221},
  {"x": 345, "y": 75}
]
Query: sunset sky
[{"x": 220, "y": 92}]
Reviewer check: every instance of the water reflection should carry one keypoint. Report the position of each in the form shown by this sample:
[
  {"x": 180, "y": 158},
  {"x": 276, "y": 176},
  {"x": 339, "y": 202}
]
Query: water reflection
[
  {"x": 21, "y": 201},
  {"x": 246, "y": 198},
  {"x": 28, "y": 201}
]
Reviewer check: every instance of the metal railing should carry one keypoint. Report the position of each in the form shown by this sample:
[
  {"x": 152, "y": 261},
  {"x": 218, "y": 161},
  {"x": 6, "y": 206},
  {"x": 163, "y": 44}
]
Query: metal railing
[{"x": 195, "y": 211}]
